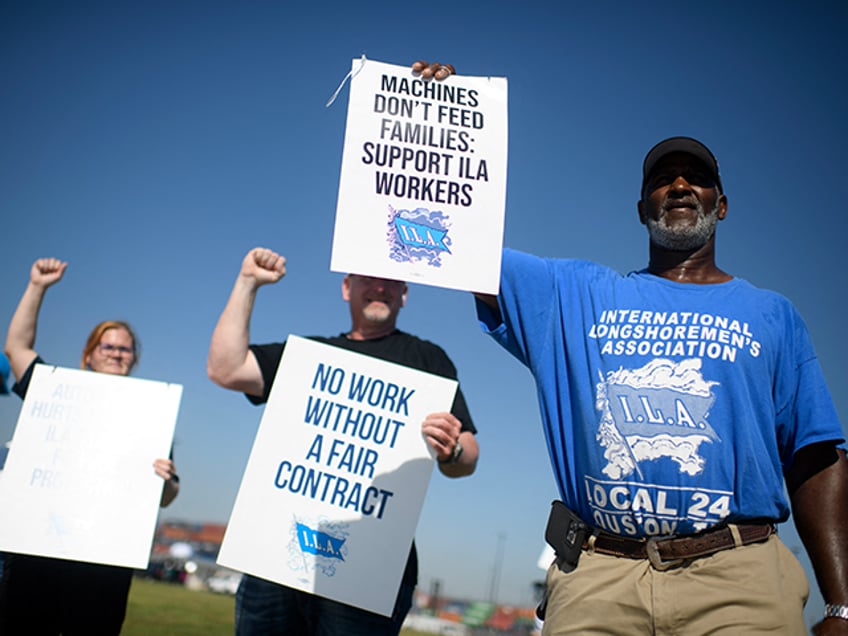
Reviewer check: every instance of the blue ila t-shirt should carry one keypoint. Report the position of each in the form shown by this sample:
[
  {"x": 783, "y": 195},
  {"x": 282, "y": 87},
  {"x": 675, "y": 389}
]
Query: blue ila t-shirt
[{"x": 667, "y": 407}]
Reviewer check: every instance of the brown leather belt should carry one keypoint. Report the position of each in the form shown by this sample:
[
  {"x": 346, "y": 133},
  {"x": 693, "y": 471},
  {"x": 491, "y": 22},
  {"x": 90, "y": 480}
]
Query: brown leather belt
[{"x": 667, "y": 552}]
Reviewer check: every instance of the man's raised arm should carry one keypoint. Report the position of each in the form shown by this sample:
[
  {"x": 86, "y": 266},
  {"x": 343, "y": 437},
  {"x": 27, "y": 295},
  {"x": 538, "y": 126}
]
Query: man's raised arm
[{"x": 230, "y": 363}]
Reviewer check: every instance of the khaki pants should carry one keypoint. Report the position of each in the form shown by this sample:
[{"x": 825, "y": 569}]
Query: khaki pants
[{"x": 756, "y": 589}]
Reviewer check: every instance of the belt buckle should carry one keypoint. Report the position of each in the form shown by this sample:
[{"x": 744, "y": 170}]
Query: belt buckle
[{"x": 656, "y": 559}]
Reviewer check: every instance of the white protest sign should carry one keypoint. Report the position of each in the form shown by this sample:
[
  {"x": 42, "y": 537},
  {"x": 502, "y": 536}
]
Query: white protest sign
[
  {"x": 423, "y": 180},
  {"x": 79, "y": 482},
  {"x": 335, "y": 482}
]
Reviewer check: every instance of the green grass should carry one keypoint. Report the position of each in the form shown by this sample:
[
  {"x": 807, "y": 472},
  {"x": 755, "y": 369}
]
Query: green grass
[{"x": 165, "y": 609}]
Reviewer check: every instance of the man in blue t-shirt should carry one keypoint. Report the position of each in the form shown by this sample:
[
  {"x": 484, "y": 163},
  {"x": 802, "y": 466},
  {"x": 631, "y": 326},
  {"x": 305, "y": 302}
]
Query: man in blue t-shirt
[{"x": 678, "y": 401}]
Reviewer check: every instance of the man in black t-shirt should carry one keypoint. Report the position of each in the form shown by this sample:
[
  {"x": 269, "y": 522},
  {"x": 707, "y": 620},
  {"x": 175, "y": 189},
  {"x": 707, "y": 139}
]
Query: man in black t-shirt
[{"x": 267, "y": 608}]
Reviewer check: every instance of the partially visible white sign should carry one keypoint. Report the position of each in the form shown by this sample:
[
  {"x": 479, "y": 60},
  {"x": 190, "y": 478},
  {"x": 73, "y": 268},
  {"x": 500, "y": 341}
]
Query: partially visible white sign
[
  {"x": 335, "y": 482},
  {"x": 546, "y": 557},
  {"x": 423, "y": 181},
  {"x": 79, "y": 482}
]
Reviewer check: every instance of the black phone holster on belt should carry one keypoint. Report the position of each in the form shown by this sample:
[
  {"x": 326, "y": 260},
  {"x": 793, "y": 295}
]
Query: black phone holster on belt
[{"x": 566, "y": 533}]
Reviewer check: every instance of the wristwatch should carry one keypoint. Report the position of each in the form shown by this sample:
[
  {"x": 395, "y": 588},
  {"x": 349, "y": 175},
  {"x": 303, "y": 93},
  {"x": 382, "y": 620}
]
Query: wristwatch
[
  {"x": 457, "y": 452},
  {"x": 836, "y": 611}
]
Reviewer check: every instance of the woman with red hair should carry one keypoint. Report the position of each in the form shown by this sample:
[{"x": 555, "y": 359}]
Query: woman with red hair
[{"x": 48, "y": 596}]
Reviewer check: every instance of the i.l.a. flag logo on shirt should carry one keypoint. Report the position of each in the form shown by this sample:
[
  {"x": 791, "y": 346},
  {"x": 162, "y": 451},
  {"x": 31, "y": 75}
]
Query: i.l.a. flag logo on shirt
[
  {"x": 651, "y": 411},
  {"x": 313, "y": 541},
  {"x": 659, "y": 410}
]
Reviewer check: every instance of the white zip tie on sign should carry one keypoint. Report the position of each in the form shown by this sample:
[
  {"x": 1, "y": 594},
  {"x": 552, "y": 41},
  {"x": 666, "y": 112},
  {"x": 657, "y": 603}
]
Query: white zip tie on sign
[{"x": 350, "y": 75}]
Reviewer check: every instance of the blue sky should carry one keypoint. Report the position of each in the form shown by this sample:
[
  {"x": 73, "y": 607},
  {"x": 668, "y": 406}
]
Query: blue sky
[{"x": 152, "y": 144}]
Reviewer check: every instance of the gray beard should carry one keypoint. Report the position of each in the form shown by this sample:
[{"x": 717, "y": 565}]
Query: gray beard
[
  {"x": 377, "y": 315},
  {"x": 684, "y": 238}
]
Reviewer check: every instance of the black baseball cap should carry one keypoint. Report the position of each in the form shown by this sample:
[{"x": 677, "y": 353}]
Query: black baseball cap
[{"x": 681, "y": 144}]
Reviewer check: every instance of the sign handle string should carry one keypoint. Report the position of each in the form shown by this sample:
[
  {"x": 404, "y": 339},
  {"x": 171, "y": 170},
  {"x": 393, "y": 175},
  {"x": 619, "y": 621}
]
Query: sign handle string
[{"x": 350, "y": 75}]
